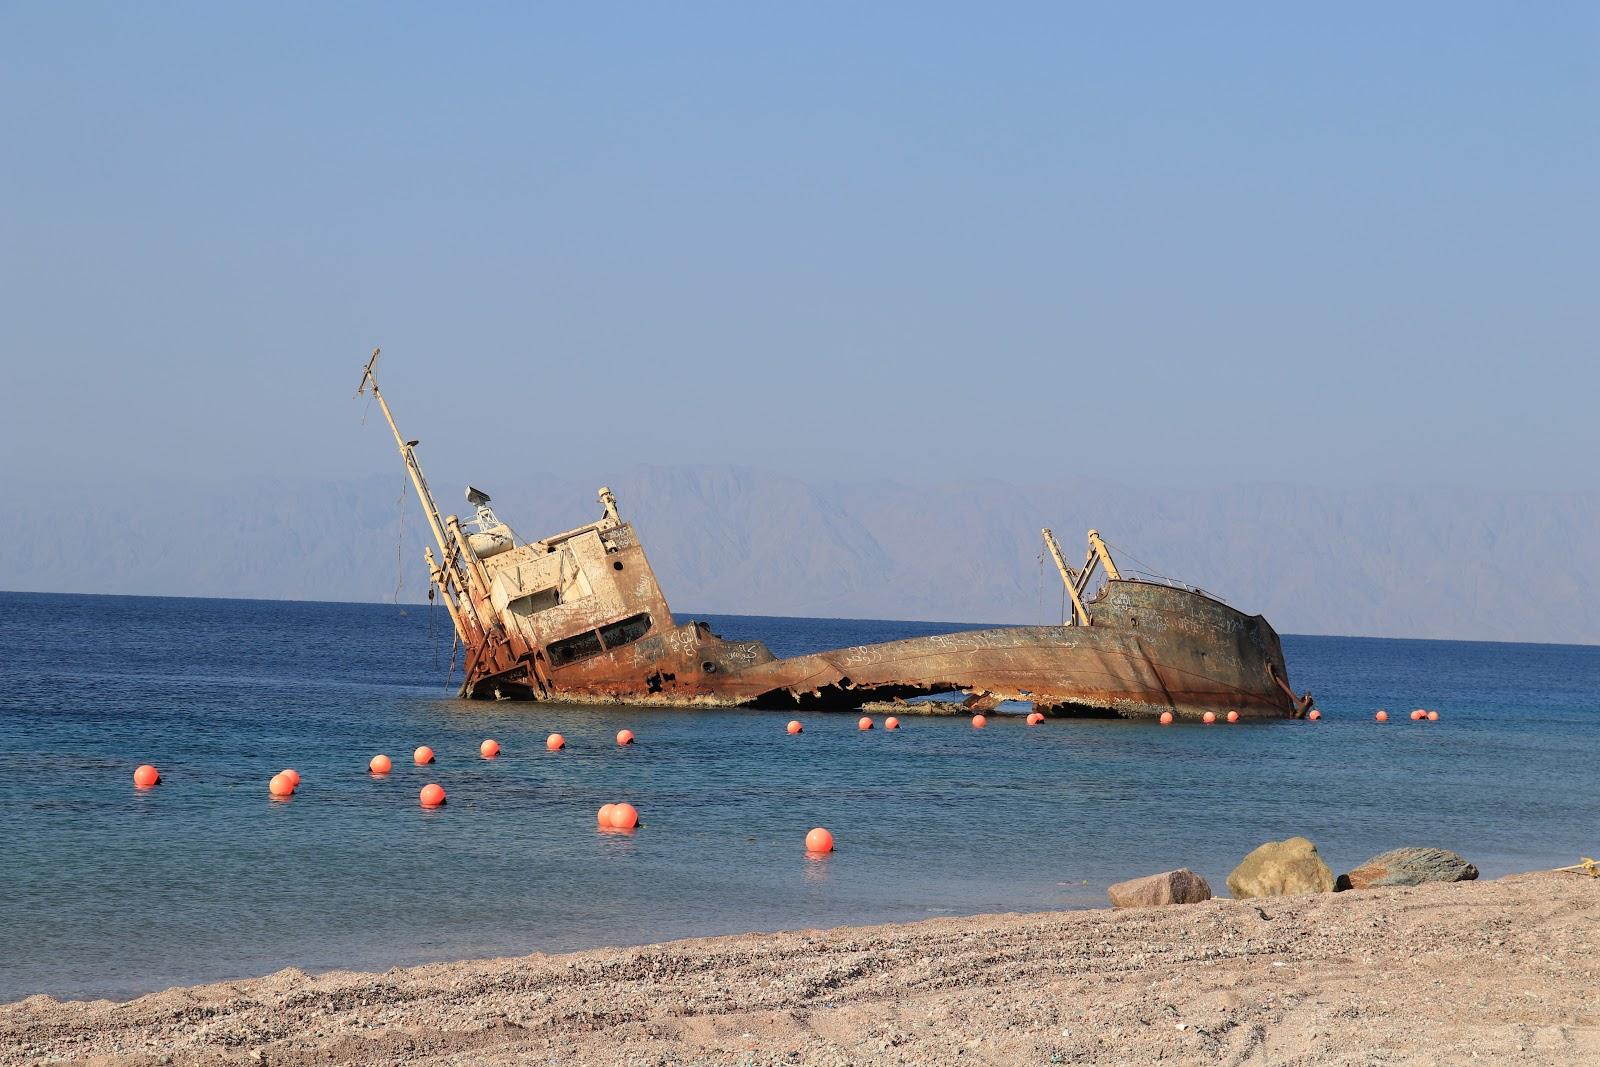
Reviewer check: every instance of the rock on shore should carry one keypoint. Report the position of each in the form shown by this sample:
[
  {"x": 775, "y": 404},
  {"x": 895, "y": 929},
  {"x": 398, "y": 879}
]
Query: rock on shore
[
  {"x": 1281, "y": 869},
  {"x": 1181, "y": 886},
  {"x": 1409, "y": 866}
]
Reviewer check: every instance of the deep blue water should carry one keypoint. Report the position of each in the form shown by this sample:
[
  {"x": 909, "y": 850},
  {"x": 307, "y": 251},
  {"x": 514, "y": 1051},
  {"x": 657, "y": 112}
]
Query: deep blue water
[{"x": 105, "y": 890}]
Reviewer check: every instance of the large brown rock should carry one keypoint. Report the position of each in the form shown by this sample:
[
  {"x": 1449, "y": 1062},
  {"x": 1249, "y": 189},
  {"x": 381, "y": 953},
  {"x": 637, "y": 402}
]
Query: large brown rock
[
  {"x": 1181, "y": 886},
  {"x": 1281, "y": 869},
  {"x": 1409, "y": 866}
]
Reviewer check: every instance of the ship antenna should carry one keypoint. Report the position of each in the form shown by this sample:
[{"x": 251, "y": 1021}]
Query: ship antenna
[{"x": 369, "y": 375}]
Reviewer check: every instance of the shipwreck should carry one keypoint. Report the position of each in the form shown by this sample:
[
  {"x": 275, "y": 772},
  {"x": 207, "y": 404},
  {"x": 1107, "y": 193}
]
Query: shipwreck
[{"x": 579, "y": 617}]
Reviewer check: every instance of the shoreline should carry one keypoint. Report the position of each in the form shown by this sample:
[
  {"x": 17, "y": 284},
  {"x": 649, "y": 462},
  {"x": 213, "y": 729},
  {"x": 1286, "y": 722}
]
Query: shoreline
[{"x": 1507, "y": 970}]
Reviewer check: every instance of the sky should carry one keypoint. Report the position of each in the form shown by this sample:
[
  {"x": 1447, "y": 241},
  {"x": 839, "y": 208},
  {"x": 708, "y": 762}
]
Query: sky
[{"x": 1345, "y": 245}]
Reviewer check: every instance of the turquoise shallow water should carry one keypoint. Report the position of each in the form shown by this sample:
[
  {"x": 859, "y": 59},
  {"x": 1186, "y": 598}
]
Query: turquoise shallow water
[{"x": 106, "y": 891}]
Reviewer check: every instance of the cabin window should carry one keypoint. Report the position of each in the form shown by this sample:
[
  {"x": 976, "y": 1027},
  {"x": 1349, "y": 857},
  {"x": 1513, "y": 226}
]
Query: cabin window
[
  {"x": 533, "y": 603},
  {"x": 571, "y": 649},
  {"x": 625, "y": 632},
  {"x": 593, "y": 642}
]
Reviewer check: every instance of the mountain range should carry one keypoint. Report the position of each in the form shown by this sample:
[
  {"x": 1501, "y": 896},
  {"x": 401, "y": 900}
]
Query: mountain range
[{"x": 1384, "y": 561}]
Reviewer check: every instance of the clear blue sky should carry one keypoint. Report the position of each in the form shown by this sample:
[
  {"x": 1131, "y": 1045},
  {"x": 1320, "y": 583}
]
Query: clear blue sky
[{"x": 1165, "y": 244}]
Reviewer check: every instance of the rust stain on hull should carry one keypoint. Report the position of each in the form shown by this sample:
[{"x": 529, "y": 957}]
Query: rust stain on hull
[
  {"x": 1193, "y": 655},
  {"x": 579, "y": 617}
]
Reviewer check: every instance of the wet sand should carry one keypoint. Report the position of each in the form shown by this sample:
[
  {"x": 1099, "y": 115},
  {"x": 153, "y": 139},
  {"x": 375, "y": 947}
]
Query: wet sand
[{"x": 1504, "y": 971}]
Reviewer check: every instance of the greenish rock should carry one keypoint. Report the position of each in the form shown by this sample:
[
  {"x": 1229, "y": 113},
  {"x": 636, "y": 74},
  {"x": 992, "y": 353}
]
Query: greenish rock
[{"x": 1409, "y": 866}]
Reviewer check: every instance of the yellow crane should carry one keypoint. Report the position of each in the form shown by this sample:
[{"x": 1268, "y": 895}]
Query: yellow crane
[{"x": 1077, "y": 581}]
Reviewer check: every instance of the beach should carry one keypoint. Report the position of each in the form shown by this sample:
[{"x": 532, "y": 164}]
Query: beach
[
  {"x": 960, "y": 919},
  {"x": 1502, "y": 971}
]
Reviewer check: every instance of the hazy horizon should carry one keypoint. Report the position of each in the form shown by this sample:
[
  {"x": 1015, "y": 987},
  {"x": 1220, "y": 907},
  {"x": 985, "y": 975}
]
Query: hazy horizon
[
  {"x": 409, "y": 604},
  {"x": 1398, "y": 562}
]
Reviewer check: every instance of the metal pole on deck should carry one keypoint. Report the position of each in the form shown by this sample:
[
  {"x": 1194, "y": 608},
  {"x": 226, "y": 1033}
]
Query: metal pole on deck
[{"x": 407, "y": 452}]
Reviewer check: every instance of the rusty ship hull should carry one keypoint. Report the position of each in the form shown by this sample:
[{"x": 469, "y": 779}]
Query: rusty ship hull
[
  {"x": 579, "y": 617},
  {"x": 1152, "y": 648}
]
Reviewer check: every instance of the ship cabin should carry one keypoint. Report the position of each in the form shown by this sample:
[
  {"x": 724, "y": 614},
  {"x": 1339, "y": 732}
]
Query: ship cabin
[{"x": 573, "y": 596}]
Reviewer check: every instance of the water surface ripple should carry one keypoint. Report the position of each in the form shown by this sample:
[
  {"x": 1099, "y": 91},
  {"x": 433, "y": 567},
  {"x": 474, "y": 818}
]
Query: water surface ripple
[{"x": 106, "y": 891}]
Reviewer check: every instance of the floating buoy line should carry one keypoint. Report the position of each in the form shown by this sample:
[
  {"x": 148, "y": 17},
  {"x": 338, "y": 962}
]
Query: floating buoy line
[{"x": 624, "y": 817}]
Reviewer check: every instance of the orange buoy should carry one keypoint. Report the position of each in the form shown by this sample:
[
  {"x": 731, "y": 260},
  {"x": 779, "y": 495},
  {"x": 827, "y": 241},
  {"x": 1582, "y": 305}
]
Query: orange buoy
[
  {"x": 423, "y": 755},
  {"x": 1382, "y": 716},
  {"x": 1035, "y": 718},
  {"x": 819, "y": 841},
  {"x": 1433, "y": 716},
  {"x": 794, "y": 726},
  {"x": 380, "y": 764},
  {"x": 554, "y": 742},
  {"x": 1233, "y": 716},
  {"x": 1418, "y": 715},
  {"x": 1315, "y": 715},
  {"x": 1166, "y": 718},
  {"x": 1209, "y": 717},
  {"x": 294, "y": 776},
  {"x": 864, "y": 723},
  {"x": 489, "y": 749},
  {"x": 624, "y": 737},
  {"x": 891, "y": 723},
  {"x": 145, "y": 776},
  {"x": 603, "y": 816},
  {"x": 281, "y": 785},
  {"x": 979, "y": 721},
  {"x": 432, "y": 795},
  {"x": 624, "y": 817}
]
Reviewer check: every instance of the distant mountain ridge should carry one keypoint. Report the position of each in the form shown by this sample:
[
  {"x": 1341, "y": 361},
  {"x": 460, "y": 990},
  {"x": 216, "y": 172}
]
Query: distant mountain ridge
[{"x": 1391, "y": 562}]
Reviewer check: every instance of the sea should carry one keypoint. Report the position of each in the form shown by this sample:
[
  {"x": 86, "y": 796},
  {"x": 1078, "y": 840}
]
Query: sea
[{"x": 110, "y": 891}]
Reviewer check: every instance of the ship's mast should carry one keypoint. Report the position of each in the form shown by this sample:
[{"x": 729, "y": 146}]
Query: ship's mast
[
  {"x": 1077, "y": 581},
  {"x": 407, "y": 453},
  {"x": 1068, "y": 577},
  {"x": 1098, "y": 547}
]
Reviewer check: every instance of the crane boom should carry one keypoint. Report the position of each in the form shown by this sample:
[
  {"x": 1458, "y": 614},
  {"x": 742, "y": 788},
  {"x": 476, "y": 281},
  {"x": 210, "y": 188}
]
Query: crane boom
[{"x": 1069, "y": 577}]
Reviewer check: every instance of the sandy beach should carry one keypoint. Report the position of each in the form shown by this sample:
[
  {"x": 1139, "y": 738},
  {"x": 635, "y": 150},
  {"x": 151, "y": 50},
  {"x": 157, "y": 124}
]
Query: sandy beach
[{"x": 1504, "y": 971}]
